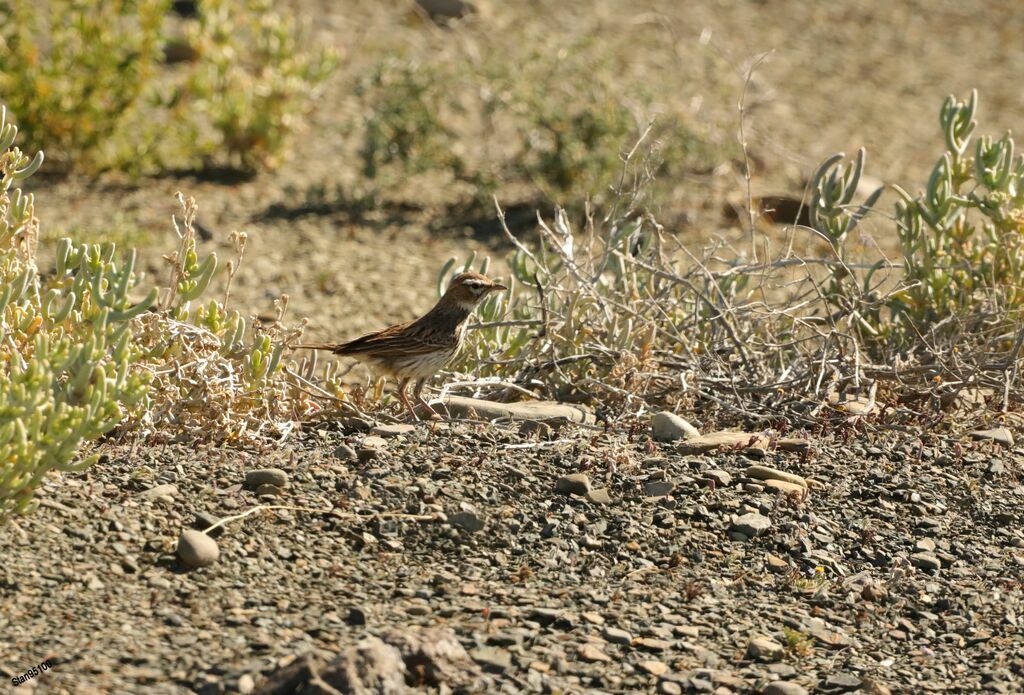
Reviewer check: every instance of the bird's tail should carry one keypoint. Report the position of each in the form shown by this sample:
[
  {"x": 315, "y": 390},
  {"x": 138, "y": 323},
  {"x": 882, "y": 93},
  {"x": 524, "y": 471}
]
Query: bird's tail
[{"x": 317, "y": 346}]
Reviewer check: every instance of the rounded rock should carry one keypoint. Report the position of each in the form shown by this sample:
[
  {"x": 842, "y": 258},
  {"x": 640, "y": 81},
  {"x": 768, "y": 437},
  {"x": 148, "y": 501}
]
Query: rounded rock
[
  {"x": 266, "y": 476},
  {"x": 668, "y": 427},
  {"x": 196, "y": 549},
  {"x": 764, "y": 648}
]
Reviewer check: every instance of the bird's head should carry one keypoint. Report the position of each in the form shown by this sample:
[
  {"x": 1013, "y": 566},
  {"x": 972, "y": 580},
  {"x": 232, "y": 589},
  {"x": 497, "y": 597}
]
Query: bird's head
[{"x": 469, "y": 289}]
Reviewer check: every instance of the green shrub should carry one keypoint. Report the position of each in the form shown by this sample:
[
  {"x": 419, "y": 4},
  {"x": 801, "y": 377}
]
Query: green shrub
[
  {"x": 81, "y": 353},
  {"x": 404, "y": 126},
  {"x": 620, "y": 313},
  {"x": 86, "y": 77},
  {"x": 67, "y": 360},
  {"x": 963, "y": 236},
  {"x": 962, "y": 242},
  {"x": 77, "y": 70},
  {"x": 553, "y": 127},
  {"x": 252, "y": 83}
]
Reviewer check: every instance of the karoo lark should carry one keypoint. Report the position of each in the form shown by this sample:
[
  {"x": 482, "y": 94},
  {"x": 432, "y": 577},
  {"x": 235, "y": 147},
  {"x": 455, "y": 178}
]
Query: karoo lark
[{"x": 416, "y": 350}]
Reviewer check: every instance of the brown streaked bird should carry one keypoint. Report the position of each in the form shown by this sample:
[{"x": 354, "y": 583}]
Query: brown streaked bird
[{"x": 416, "y": 350}]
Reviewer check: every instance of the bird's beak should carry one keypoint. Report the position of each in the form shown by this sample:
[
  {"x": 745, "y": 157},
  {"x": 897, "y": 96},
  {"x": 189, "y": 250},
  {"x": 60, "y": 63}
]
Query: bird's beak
[{"x": 495, "y": 287}]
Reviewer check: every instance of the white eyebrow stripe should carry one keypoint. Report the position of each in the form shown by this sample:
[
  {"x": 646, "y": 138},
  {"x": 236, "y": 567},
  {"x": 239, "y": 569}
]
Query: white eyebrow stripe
[{"x": 474, "y": 282}]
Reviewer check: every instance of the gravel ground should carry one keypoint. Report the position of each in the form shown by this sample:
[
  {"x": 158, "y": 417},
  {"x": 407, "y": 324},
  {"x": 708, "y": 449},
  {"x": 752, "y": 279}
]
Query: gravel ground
[{"x": 673, "y": 572}]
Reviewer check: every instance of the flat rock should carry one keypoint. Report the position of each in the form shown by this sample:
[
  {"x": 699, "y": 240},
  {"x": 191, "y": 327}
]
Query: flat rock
[
  {"x": 841, "y": 682},
  {"x": 493, "y": 659},
  {"x": 793, "y": 444},
  {"x": 396, "y": 430},
  {"x": 713, "y": 441},
  {"x": 467, "y": 521},
  {"x": 460, "y": 406},
  {"x": 166, "y": 490},
  {"x": 751, "y": 525},
  {"x": 721, "y": 478},
  {"x": 616, "y": 635},
  {"x": 346, "y": 453},
  {"x": 372, "y": 441},
  {"x": 599, "y": 496},
  {"x": 786, "y": 487},
  {"x": 776, "y": 564},
  {"x": 764, "y": 648},
  {"x": 266, "y": 476},
  {"x": 766, "y": 473},
  {"x": 1000, "y": 435},
  {"x": 658, "y": 488},
  {"x": 828, "y": 636},
  {"x": 651, "y": 644},
  {"x": 196, "y": 549},
  {"x": 573, "y": 484},
  {"x": 783, "y": 688},
  {"x": 668, "y": 427},
  {"x": 655, "y": 668},
  {"x": 592, "y": 653},
  {"x": 925, "y": 561}
]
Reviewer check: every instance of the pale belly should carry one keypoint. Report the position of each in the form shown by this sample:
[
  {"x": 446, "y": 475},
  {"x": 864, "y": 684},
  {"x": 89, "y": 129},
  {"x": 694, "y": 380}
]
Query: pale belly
[{"x": 413, "y": 367}]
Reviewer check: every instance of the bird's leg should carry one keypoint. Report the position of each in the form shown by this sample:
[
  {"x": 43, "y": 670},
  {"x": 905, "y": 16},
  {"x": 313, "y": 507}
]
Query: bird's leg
[
  {"x": 416, "y": 394},
  {"x": 405, "y": 398}
]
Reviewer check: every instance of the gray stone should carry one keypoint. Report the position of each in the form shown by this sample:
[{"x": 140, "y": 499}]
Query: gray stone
[
  {"x": 668, "y": 427},
  {"x": 751, "y": 525},
  {"x": 1000, "y": 435},
  {"x": 721, "y": 478},
  {"x": 658, "y": 488},
  {"x": 783, "y": 688},
  {"x": 766, "y": 473},
  {"x": 460, "y": 406},
  {"x": 205, "y": 520},
  {"x": 841, "y": 682},
  {"x": 268, "y": 490},
  {"x": 166, "y": 490},
  {"x": 667, "y": 687},
  {"x": 592, "y": 653},
  {"x": 599, "y": 496},
  {"x": 764, "y": 648},
  {"x": 573, "y": 484},
  {"x": 493, "y": 659},
  {"x": 196, "y": 549},
  {"x": 617, "y": 636},
  {"x": 713, "y": 441},
  {"x": 346, "y": 453},
  {"x": 925, "y": 561},
  {"x": 467, "y": 521},
  {"x": 372, "y": 441},
  {"x": 925, "y": 545},
  {"x": 389, "y": 431},
  {"x": 266, "y": 476}
]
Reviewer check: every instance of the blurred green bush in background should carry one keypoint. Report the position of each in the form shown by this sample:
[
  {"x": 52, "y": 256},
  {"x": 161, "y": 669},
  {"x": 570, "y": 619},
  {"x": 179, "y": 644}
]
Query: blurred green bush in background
[{"x": 87, "y": 80}]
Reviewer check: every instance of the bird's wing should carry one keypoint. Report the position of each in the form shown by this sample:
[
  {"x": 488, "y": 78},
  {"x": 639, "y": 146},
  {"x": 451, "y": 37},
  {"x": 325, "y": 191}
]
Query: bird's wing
[{"x": 410, "y": 338}]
